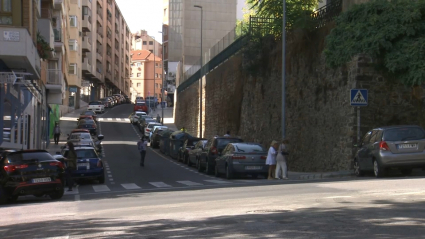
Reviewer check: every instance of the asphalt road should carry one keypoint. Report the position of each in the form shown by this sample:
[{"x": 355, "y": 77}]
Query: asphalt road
[{"x": 166, "y": 199}]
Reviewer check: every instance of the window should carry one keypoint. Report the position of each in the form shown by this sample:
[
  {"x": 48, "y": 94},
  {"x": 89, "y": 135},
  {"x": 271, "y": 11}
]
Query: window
[
  {"x": 145, "y": 42},
  {"x": 73, "y": 21},
  {"x": 139, "y": 74},
  {"x": 72, "y": 69},
  {"x": 73, "y": 45},
  {"x": 5, "y": 12},
  {"x": 156, "y": 65},
  {"x": 165, "y": 49},
  {"x": 138, "y": 84},
  {"x": 139, "y": 63},
  {"x": 156, "y": 75},
  {"x": 151, "y": 43},
  {"x": 156, "y": 85},
  {"x": 151, "y": 51}
]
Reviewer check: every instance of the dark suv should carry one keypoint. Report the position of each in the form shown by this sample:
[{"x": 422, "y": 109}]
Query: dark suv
[
  {"x": 212, "y": 150},
  {"x": 30, "y": 172}
]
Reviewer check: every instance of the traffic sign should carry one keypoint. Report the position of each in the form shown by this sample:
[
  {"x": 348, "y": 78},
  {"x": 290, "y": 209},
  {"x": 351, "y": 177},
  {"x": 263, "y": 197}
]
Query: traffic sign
[{"x": 358, "y": 97}]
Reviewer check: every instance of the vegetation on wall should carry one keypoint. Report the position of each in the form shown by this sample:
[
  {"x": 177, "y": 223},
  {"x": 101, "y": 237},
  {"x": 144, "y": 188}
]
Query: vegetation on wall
[
  {"x": 391, "y": 32},
  {"x": 43, "y": 47}
]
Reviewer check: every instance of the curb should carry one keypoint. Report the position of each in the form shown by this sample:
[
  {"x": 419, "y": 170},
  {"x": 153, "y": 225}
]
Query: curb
[{"x": 326, "y": 175}]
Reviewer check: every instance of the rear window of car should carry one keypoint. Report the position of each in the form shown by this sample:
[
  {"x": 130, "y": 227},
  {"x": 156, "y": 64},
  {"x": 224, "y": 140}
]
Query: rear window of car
[
  {"x": 249, "y": 148},
  {"x": 88, "y": 113},
  {"x": 95, "y": 103},
  {"x": 401, "y": 134},
  {"x": 30, "y": 156},
  {"x": 140, "y": 104},
  {"x": 221, "y": 143},
  {"x": 87, "y": 121},
  {"x": 150, "y": 126},
  {"x": 83, "y": 153}
]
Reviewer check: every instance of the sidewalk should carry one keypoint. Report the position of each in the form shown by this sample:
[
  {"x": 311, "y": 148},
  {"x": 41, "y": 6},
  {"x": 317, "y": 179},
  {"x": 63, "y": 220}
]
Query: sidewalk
[
  {"x": 168, "y": 116},
  {"x": 320, "y": 175}
]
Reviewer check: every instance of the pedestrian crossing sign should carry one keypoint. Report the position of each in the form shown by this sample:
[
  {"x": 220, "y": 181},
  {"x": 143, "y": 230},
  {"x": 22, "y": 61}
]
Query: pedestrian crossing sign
[{"x": 358, "y": 97}]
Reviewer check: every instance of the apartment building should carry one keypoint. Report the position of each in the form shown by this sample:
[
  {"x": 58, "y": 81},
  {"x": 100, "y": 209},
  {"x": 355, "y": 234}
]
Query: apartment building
[
  {"x": 106, "y": 50},
  {"x": 182, "y": 33},
  {"x": 142, "y": 41},
  {"x": 146, "y": 74}
]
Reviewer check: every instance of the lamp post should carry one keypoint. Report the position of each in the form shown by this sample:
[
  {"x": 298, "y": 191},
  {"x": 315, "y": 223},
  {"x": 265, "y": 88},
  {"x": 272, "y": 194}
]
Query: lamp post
[
  {"x": 153, "y": 73},
  {"x": 283, "y": 70},
  {"x": 162, "y": 88},
  {"x": 200, "y": 81}
]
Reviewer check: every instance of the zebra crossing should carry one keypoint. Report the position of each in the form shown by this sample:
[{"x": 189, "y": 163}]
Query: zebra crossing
[
  {"x": 114, "y": 119},
  {"x": 151, "y": 185}
]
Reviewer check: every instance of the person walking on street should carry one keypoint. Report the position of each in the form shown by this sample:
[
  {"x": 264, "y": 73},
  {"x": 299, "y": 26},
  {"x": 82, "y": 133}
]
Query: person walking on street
[
  {"x": 227, "y": 134},
  {"x": 158, "y": 118},
  {"x": 56, "y": 132},
  {"x": 71, "y": 165},
  {"x": 142, "y": 145},
  {"x": 281, "y": 167},
  {"x": 271, "y": 159}
]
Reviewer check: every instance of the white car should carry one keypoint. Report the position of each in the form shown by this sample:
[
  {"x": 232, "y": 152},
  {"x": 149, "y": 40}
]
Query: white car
[
  {"x": 96, "y": 106},
  {"x": 136, "y": 116},
  {"x": 149, "y": 128}
]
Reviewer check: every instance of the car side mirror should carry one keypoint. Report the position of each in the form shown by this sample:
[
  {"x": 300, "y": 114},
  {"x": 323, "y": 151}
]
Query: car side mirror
[{"x": 100, "y": 137}]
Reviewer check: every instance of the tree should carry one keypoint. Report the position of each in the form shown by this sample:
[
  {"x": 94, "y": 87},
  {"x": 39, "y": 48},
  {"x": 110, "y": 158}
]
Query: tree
[{"x": 391, "y": 32}]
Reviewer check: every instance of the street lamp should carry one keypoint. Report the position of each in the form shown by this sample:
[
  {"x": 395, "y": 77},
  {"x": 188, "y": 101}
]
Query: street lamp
[
  {"x": 154, "y": 63},
  {"x": 200, "y": 80},
  {"x": 283, "y": 69},
  {"x": 162, "y": 88}
]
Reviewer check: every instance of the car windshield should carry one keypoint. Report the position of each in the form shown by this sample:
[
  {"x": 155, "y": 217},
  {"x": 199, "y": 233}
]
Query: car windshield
[
  {"x": 150, "y": 126},
  {"x": 221, "y": 143},
  {"x": 400, "y": 134},
  {"x": 87, "y": 121},
  {"x": 29, "y": 156},
  {"x": 249, "y": 148},
  {"x": 139, "y": 114},
  {"x": 88, "y": 113},
  {"x": 83, "y": 153},
  {"x": 149, "y": 120},
  {"x": 140, "y": 104},
  {"x": 94, "y": 103},
  {"x": 80, "y": 136}
]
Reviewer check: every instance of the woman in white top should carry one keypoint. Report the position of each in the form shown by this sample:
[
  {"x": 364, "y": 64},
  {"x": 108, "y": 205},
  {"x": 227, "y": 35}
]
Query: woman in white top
[
  {"x": 281, "y": 168},
  {"x": 271, "y": 158}
]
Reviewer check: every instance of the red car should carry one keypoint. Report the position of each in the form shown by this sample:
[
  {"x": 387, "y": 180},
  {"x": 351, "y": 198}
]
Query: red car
[{"x": 141, "y": 106}]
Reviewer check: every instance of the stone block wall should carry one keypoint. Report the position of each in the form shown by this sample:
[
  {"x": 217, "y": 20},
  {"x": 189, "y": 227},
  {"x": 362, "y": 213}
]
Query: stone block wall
[{"x": 320, "y": 123}]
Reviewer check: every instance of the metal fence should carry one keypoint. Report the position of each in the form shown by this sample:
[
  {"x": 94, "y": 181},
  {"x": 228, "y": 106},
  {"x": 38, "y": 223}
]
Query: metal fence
[{"x": 327, "y": 13}]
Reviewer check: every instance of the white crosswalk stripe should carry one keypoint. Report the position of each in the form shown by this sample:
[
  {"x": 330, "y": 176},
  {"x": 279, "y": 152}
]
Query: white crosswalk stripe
[
  {"x": 114, "y": 119},
  {"x": 216, "y": 181},
  {"x": 109, "y": 119},
  {"x": 101, "y": 188},
  {"x": 190, "y": 183},
  {"x": 160, "y": 184},
  {"x": 130, "y": 186},
  {"x": 127, "y": 120},
  {"x": 118, "y": 119},
  {"x": 101, "y": 119}
]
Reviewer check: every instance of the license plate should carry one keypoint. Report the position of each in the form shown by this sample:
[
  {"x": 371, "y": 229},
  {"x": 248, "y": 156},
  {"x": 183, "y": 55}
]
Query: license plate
[
  {"x": 407, "y": 146},
  {"x": 41, "y": 180},
  {"x": 253, "y": 167},
  {"x": 83, "y": 165}
]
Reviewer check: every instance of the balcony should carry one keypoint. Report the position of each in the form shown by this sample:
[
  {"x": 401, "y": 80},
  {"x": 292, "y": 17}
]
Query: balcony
[
  {"x": 87, "y": 68},
  {"x": 100, "y": 2},
  {"x": 108, "y": 75},
  {"x": 100, "y": 13},
  {"x": 100, "y": 34},
  {"x": 46, "y": 31},
  {"x": 57, "y": 4},
  {"x": 86, "y": 46},
  {"x": 19, "y": 51},
  {"x": 87, "y": 3},
  {"x": 55, "y": 82},
  {"x": 99, "y": 56},
  {"x": 98, "y": 75},
  {"x": 87, "y": 24}
]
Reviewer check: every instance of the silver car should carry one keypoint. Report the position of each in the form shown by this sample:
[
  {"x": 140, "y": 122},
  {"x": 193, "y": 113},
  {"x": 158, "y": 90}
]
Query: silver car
[
  {"x": 242, "y": 158},
  {"x": 382, "y": 148}
]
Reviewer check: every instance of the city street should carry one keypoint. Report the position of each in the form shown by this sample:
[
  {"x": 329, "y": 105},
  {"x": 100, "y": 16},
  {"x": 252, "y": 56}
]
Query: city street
[{"x": 167, "y": 199}]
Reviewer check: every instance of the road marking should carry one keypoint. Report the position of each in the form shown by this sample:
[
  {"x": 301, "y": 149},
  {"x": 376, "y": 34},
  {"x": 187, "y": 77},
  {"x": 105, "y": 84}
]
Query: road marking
[
  {"x": 339, "y": 197},
  {"x": 109, "y": 118},
  {"x": 109, "y": 175},
  {"x": 216, "y": 181},
  {"x": 107, "y": 171},
  {"x": 118, "y": 119},
  {"x": 189, "y": 183},
  {"x": 130, "y": 186},
  {"x": 101, "y": 188},
  {"x": 160, "y": 184},
  {"x": 101, "y": 119},
  {"x": 127, "y": 120}
]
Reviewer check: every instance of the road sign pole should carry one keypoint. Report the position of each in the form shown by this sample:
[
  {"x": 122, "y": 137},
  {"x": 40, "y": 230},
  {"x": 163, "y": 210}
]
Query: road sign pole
[{"x": 358, "y": 124}]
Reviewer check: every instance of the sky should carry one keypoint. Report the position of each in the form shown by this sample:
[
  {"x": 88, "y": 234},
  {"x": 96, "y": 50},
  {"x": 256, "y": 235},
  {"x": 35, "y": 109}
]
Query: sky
[{"x": 147, "y": 15}]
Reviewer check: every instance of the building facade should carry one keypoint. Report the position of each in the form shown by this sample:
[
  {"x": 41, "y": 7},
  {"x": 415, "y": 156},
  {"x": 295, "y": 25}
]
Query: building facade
[
  {"x": 142, "y": 41},
  {"x": 146, "y": 74}
]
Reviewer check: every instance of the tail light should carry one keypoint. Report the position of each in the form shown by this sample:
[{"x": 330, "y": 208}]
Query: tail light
[
  {"x": 12, "y": 168},
  {"x": 148, "y": 130},
  {"x": 59, "y": 164},
  {"x": 263, "y": 157},
  {"x": 384, "y": 146},
  {"x": 238, "y": 157},
  {"x": 214, "y": 150},
  {"x": 99, "y": 163}
]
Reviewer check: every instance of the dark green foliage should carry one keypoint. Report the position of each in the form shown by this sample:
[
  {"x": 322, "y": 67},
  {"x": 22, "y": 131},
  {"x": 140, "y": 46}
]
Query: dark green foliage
[
  {"x": 391, "y": 32},
  {"x": 43, "y": 47}
]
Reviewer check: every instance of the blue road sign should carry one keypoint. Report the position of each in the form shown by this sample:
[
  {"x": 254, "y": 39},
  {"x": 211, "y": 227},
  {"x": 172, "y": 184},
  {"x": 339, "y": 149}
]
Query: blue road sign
[{"x": 358, "y": 97}]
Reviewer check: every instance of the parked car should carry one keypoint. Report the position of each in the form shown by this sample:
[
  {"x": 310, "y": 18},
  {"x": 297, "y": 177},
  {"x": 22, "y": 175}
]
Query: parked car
[
  {"x": 91, "y": 113},
  {"x": 183, "y": 153},
  {"x": 141, "y": 106},
  {"x": 156, "y": 136},
  {"x": 193, "y": 154},
  {"x": 212, "y": 149},
  {"x": 387, "y": 147},
  {"x": 135, "y": 116},
  {"x": 30, "y": 172},
  {"x": 106, "y": 102},
  {"x": 89, "y": 125},
  {"x": 97, "y": 106},
  {"x": 89, "y": 164},
  {"x": 154, "y": 128},
  {"x": 242, "y": 158},
  {"x": 143, "y": 122},
  {"x": 149, "y": 128}
]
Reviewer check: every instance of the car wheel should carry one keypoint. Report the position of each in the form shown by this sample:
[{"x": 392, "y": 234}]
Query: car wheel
[
  {"x": 188, "y": 162},
  {"x": 406, "y": 171},
  {"x": 101, "y": 179},
  {"x": 357, "y": 170},
  {"x": 57, "y": 195},
  {"x": 216, "y": 173},
  {"x": 378, "y": 170},
  {"x": 229, "y": 173},
  {"x": 198, "y": 165}
]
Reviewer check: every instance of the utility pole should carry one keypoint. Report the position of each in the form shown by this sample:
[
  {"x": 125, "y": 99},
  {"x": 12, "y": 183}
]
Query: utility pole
[
  {"x": 200, "y": 80},
  {"x": 163, "y": 85},
  {"x": 154, "y": 78},
  {"x": 283, "y": 70}
]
